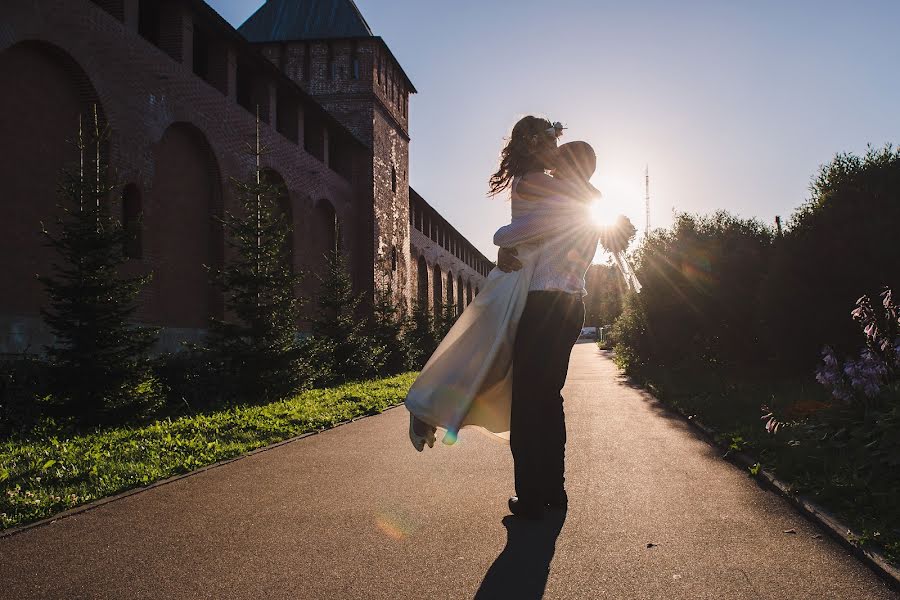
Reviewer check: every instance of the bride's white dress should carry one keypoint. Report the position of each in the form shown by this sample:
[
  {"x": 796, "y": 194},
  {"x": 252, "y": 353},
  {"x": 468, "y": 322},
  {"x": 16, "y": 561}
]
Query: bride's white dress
[{"x": 468, "y": 379}]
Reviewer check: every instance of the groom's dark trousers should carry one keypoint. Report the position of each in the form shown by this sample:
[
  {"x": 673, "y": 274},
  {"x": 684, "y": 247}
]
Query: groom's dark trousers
[{"x": 549, "y": 327}]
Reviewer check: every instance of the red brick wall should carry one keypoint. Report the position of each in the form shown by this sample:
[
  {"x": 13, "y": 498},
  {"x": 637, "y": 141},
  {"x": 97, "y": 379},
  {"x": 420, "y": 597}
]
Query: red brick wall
[
  {"x": 178, "y": 139},
  {"x": 143, "y": 92}
]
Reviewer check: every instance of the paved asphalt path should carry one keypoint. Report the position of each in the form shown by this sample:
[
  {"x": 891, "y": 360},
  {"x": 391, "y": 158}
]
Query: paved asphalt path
[{"x": 355, "y": 512}]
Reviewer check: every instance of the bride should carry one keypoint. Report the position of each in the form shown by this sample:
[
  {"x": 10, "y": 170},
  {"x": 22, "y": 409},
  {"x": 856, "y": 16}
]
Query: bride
[{"x": 503, "y": 364}]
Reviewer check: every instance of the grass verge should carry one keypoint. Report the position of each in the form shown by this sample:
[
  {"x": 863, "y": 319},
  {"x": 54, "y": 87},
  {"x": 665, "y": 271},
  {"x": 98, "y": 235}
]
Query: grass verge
[{"x": 40, "y": 477}]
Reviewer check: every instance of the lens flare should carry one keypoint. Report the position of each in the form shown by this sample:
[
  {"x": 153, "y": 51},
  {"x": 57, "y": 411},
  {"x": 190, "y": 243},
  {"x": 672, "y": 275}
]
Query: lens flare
[
  {"x": 603, "y": 212},
  {"x": 392, "y": 526}
]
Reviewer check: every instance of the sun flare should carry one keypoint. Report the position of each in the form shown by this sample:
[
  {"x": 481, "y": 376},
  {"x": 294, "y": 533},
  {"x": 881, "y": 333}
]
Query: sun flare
[
  {"x": 619, "y": 196},
  {"x": 603, "y": 213}
]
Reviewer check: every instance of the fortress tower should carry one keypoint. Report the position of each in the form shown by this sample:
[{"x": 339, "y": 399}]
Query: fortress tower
[{"x": 328, "y": 49}]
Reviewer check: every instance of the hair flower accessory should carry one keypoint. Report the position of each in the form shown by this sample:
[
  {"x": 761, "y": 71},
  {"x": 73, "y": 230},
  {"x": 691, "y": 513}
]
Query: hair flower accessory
[{"x": 556, "y": 129}]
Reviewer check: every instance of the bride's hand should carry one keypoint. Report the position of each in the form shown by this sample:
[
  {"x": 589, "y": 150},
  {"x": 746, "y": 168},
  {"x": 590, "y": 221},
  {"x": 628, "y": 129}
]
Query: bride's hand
[{"x": 507, "y": 261}]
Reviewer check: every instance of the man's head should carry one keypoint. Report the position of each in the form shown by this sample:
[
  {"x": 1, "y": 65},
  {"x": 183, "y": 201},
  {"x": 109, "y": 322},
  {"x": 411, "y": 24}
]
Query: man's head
[{"x": 575, "y": 160}]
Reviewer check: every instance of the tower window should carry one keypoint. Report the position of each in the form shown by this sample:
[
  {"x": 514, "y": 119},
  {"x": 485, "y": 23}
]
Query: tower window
[
  {"x": 201, "y": 54},
  {"x": 331, "y": 65},
  {"x": 148, "y": 21},
  {"x": 307, "y": 62},
  {"x": 354, "y": 63},
  {"x": 393, "y": 258},
  {"x": 393, "y": 179}
]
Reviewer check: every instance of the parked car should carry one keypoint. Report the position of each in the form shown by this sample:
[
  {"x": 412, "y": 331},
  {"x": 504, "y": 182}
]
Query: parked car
[{"x": 589, "y": 333}]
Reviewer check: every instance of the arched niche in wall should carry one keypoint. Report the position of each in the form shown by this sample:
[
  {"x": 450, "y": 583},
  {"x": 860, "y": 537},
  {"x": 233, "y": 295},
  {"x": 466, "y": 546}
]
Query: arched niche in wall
[
  {"x": 437, "y": 289},
  {"x": 46, "y": 92},
  {"x": 468, "y": 293},
  {"x": 326, "y": 228},
  {"x": 180, "y": 232},
  {"x": 450, "y": 297},
  {"x": 422, "y": 278}
]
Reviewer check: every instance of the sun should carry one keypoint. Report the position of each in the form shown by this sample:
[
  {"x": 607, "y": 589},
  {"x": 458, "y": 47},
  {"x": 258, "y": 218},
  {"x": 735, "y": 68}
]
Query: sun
[
  {"x": 619, "y": 196},
  {"x": 603, "y": 212}
]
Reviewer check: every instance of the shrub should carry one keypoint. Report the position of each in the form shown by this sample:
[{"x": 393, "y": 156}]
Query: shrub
[
  {"x": 697, "y": 305},
  {"x": 839, "y": 244}
]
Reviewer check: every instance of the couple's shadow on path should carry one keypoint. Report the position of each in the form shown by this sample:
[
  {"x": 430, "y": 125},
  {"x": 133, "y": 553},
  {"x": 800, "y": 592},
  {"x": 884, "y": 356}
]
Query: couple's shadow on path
[{"x": 522, "y": 568}]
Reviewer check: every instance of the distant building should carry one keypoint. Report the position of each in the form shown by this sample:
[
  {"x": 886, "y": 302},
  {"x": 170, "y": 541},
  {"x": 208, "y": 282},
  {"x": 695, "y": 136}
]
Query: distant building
[{"x": 180, "y": 88}]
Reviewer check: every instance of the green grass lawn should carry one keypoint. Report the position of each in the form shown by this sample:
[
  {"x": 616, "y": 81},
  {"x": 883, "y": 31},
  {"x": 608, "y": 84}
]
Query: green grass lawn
[
  {"x": 40, "y": 477},
  {"x": 730, "y": 404}
]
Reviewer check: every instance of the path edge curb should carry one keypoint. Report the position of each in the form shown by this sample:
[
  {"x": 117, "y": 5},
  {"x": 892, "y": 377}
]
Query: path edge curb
[
  {"x": 137, "y": 490},
  {"x": 812, "y": 511}
]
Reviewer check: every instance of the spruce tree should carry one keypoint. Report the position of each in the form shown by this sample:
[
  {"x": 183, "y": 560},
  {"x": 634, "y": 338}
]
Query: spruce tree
[
  {"x": 420, "y": 336},
  {"x": 99, "y": 359},
  {"x": 340, "y": 347},
  {"x": 255, "y": 346},
  {"x": 387, "y": 328}
]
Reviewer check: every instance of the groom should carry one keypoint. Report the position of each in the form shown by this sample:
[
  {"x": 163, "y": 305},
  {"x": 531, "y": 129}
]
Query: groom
[{"x": 548, "y": 329}]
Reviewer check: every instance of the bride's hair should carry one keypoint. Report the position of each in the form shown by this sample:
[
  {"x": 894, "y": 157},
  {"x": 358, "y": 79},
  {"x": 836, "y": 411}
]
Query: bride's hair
[{"x": 524, "y": 152}]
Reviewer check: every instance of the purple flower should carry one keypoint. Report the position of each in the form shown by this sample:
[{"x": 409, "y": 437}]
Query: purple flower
[{"x": 829, "y": 358}]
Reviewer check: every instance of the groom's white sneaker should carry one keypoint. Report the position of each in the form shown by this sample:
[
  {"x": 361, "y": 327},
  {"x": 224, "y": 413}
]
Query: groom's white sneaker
[{"x": 421, "y": 433}]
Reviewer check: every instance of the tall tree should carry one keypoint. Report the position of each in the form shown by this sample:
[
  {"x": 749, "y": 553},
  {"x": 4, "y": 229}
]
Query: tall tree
[
  {"x": 420, "y": 335},
  {"x": 340, "y": 348},
  {"x": 386, "y": 330},
  {"x": 256, "y": 344},
  {"x": 100, "y": 357}
]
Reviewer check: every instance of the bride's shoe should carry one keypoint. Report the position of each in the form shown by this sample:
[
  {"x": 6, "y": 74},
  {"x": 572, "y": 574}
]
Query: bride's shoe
[{"x": 421, "y": 433}]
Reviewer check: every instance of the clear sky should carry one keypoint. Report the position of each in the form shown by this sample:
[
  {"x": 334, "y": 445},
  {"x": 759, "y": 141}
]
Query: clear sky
[{"x": 733, "y": 105}]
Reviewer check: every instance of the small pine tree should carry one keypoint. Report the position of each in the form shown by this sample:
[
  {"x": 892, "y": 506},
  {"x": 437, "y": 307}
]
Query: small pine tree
[
  {"x": 340, "y": 347},
  {"x": 445, "y": 319},
  {"x": 420, "y": 336},
  {"x": 100, "y": 358},
  {"x": 257, "y": 349},
  {"x": 387, "y": 329}
]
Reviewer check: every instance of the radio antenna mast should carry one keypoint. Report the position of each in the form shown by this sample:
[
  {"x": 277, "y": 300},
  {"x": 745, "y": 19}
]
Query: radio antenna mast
[{"x": 647, "y": 200}]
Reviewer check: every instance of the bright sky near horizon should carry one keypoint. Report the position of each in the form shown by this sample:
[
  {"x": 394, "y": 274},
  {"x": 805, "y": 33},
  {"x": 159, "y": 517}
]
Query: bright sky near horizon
[{"x": 733, "y": 105}]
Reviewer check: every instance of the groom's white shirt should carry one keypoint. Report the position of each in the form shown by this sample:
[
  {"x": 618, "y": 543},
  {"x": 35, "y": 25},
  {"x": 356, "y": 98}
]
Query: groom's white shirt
[{"x": 567, "y": 236}]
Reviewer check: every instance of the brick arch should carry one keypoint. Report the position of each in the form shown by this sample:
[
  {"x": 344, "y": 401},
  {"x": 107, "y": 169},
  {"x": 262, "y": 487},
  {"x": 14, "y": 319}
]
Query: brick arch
[
  {"x": 47, "y": 92},
  {"x": 450, "y": 296},
  {"x": 437, "y": 288},
  {"x": 422, "y": 281},
  {"x": 326, "y": 227},
  {"x": 181, "y": 235}
]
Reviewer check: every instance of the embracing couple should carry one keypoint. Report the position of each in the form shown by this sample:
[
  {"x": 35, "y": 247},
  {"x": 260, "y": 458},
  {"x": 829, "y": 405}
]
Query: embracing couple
[{"x": 503, "y": 364}]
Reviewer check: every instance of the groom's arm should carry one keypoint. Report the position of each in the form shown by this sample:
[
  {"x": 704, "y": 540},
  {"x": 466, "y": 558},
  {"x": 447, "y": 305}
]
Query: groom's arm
[{"x": 539, "y": 225}]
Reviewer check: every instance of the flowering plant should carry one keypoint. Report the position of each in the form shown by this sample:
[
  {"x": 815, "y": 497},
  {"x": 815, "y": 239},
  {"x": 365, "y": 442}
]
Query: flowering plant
[
  {"x": 878, "y": 364},
  {"x": 861, "y": 382}
]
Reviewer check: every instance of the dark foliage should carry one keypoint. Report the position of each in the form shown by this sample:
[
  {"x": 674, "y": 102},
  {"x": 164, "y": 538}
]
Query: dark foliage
[
  {"x": 100, "y": 368},
  {"x": 698, "y": 302},
  {"x": 840, "y": 245},
  {"x": 421, "y": 336},
  {"x": 387, "y": 330},
  {"x": 255, "y": 348},
  {"x": 23, "y": 393},
  {"x": 606, "y": 294},
  {"x": 340, "y": 348}
]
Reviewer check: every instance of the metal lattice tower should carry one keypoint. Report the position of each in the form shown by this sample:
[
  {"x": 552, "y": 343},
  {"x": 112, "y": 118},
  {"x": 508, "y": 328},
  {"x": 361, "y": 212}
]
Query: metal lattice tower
[{"x": 647, "y": 200}]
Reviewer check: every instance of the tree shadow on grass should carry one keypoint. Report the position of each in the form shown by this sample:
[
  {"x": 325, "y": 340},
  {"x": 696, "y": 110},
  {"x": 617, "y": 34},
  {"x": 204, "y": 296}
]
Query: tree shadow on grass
[{"x": 522, "y": 568}]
